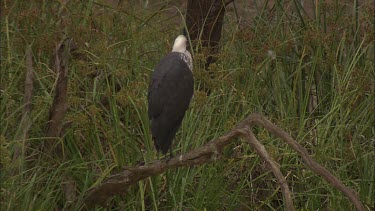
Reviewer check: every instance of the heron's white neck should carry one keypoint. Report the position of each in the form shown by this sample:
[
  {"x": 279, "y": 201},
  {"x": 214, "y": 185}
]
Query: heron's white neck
[
  {"x": 180, "y": 46},
  {"x": 187, "y": 58}
]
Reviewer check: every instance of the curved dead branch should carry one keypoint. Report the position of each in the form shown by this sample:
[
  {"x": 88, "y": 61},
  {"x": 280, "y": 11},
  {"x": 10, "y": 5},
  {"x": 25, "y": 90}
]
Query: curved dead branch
[
  {"x": 119, "y": 183},
  {"x": 262, "y": 152},
  {"x": 310, "y": 163}
]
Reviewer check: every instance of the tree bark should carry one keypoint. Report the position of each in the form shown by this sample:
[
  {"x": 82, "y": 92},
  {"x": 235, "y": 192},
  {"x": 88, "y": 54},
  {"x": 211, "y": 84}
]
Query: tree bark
[{"x": 204, "y": 22}]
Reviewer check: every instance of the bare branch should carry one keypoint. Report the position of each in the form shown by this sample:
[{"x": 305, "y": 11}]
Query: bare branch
[
  {"x": 59, "y": 108},
  {"x": 262, "y": 152},
  {"x": 70, "y": 190},
  {"x": 209, "y": 152},
  {"x": 59, "y": 105},
  {"x": 119, "y": 183},
  {"x": 26, "y": 122},
  {"x": 29, "y": 82},
  {"x": 313, "y": 104},
  {"x": 310, "y": 163},
  {"x": 226, "y": 2}
]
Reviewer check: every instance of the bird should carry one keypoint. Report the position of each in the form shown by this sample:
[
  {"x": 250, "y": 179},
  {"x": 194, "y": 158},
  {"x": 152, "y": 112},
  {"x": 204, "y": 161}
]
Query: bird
[{"x": 171, "y": 88}]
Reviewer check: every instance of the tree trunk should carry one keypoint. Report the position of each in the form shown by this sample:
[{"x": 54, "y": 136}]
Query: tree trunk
[{"x": 204, "y": 21}]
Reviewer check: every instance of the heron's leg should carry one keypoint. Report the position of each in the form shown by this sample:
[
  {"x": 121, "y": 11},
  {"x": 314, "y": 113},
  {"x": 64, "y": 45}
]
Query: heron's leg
[{"x": 170, "y": 153}]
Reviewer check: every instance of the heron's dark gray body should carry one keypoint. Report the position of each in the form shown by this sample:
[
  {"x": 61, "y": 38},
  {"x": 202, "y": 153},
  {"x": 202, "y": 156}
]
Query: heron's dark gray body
[{"x": 170, "y": 90}]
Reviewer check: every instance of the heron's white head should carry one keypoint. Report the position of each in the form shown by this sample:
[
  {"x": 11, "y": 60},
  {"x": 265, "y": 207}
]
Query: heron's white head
[{"x": 180, "y": 44}]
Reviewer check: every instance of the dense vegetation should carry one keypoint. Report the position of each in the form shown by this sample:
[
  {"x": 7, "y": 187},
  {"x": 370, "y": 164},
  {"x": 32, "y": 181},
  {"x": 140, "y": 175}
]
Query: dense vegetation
[{"x": 272, "y": 64}]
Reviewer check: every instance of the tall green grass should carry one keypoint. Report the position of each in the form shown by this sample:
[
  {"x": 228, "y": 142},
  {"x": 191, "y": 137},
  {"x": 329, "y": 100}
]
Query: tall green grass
[{"x": 330, "y": 53}]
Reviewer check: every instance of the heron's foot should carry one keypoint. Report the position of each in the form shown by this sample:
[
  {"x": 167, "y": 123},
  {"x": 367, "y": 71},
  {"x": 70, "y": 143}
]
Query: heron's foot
[
  {"x": 140, "y": 163},
  {"x": 170, "y": 153}
]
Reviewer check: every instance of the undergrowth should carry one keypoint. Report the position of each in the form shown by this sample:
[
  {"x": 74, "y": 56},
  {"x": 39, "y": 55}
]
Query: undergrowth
[{"x": 313, "y": 76}]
